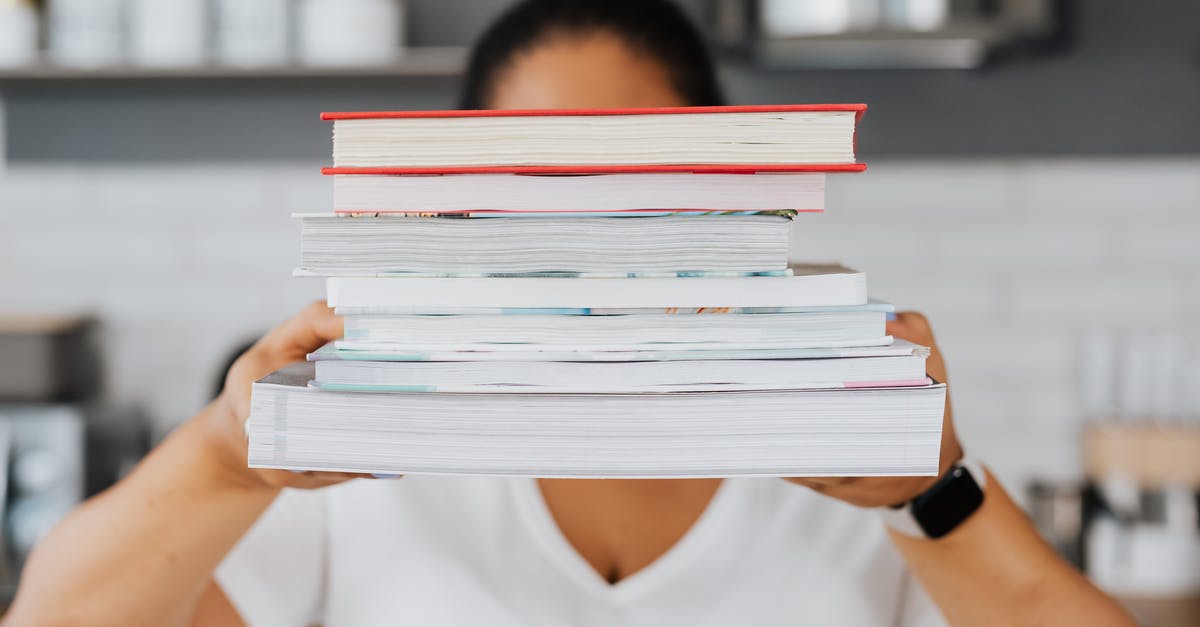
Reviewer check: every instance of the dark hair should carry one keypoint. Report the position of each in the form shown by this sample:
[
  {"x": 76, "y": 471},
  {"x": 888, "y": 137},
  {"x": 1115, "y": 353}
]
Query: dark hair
[{"x": 655, "y": 27}]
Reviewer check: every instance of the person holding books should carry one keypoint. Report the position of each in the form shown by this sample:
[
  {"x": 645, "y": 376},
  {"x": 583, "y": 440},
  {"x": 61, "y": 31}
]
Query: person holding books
[{"x": 194, "y": 537}]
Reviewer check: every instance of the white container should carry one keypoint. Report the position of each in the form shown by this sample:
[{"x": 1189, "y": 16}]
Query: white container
[
  {"x": 252, "y": 33},
  {"x": 917, "y": 15},
  {"x": 340, "y": 33},
  {"x": 167, "y": 33},
  {"x": 84, "y": 33},
  {"x": 794, "y": 18},
  {"x": 18, "y": 33}
]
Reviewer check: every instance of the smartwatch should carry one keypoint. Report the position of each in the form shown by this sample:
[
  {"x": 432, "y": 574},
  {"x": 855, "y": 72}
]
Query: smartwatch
[{"x": 944, "y": 506}]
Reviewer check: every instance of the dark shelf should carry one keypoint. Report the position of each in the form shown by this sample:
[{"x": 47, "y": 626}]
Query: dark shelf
[{"x": 429, "y": 61}]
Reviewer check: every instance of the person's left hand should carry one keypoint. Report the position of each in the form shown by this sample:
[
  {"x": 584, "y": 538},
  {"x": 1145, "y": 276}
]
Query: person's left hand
[{"x": 882, "y": 491}]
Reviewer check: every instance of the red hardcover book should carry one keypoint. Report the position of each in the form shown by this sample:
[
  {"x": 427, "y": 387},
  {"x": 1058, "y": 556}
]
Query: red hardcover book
[{"x": 797, "y": 138}]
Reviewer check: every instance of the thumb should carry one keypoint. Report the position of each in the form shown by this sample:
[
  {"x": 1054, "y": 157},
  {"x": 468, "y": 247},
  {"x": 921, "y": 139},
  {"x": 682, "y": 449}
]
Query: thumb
[
  {"x": 310, "y": 329},
  {"x": 326, "y": 326}
]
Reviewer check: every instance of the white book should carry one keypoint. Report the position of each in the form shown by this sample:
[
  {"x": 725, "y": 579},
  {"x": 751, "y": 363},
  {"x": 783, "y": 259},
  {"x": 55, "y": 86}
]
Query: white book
[
  {"x": 859, "y": 432},
  {"x": 418, "y": 310},
  {"x": 646, "y": 352},
  {"x": 588, "y": 377},
  {"x": 809, "y": 286},
  {"x": 835, "y": 327},
  {"x": 518, "y": 350},
  {"x": 334, "y": 245},
  {"x": 478, "y": 194},
  {"x": 770, "y": 135}
]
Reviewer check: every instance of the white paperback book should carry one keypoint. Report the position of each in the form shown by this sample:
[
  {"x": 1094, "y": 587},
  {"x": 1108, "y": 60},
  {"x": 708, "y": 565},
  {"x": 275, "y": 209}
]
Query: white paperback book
[
  {"x": 608, "y": 377},
  {"x": 332, "y": 245},
  {"x": 855, "y": 432},
  {"x": 817, "y": 327},
  {"x": 478, "y": 194},
  {"x": 639, "y": 352},
  {"x": 808, "y": 286}
]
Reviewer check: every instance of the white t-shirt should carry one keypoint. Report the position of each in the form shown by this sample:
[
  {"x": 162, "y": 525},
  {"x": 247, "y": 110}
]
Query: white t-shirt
[{"x": 461, "y": 551}]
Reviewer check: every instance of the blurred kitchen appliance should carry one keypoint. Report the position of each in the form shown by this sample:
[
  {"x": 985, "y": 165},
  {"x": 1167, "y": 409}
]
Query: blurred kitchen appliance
[
  {"x": 1057, "y": 508},
  {"x": 1145, "y": 541},
  {"x": 58, "y": 442},
  {"x": 885, "y": 34},
  {"x": 52, "y": 456},
  {"x": 1141, "y": 451},
  {"x": 42, "y": 462},
  {"x": 48, "y": 357},
  {"x": 1132, "y": 522}
]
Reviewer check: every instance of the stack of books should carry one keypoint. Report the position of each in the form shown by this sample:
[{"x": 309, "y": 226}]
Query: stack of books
[{"x": 593, "y": 294}]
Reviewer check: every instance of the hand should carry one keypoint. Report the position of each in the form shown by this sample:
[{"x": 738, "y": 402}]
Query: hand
[
  {"x": 285, "y": 344},
  {"x": 882, "y": 491}
]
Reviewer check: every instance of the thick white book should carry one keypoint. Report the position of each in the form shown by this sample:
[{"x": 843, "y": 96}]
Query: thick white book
[
  {"x": 332, "y": 245},
  {"x": 792, "y": 433},
  {"x": 809, "y": 286},
  {"x": 482, "y": 194}
]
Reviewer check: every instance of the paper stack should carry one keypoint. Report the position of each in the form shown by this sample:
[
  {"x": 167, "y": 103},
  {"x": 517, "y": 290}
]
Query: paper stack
[{"x": 593, "y": 294}]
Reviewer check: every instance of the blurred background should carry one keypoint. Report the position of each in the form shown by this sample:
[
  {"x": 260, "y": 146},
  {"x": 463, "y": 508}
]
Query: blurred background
[{"x": 1034, "y": 188}]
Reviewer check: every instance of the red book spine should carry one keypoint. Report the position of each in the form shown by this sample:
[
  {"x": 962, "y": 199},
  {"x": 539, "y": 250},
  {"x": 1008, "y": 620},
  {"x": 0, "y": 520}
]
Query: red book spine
[{"x": 859, "y": 109}]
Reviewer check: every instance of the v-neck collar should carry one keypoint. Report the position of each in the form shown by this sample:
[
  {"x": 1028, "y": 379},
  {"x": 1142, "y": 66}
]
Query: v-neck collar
[{"x": 558, "y": 549}]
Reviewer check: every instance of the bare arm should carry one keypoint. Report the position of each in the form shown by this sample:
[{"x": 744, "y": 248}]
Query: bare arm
[
  {"x": 994, "y": 569},
  {"x": 143, "y": 552}
]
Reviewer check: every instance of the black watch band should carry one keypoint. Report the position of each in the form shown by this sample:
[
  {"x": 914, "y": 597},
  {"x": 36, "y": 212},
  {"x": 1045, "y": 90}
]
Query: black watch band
[{"x": 944, "y": 506}]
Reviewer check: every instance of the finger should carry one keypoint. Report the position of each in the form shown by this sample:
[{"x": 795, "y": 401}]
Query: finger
[
  {"x": 315, "y": 326},
  {"x": 911, "y": 326},
  {"x": 915, "y": 327},
  {"x": 310, "y": 479},
  {"x": 816, "y": 483},
  {"x": 322, "y": 475},
  {"x": 325, "y": 326}
]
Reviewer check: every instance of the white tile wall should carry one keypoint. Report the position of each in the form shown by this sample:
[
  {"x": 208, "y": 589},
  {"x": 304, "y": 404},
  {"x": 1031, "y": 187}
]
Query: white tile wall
[{"x": 1013, "y": 261}]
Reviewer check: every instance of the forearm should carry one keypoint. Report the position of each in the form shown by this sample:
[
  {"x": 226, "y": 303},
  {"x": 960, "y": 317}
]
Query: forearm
[
  {"x": 995, "y": 569},
  {"x": 144, "y": 551}
]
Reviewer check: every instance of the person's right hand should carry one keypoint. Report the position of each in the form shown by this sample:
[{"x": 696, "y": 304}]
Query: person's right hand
[{"x": 285, "y": 344}]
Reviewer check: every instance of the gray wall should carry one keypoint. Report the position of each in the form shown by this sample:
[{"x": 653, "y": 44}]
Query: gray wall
[{"x": 1126, "y": 83}]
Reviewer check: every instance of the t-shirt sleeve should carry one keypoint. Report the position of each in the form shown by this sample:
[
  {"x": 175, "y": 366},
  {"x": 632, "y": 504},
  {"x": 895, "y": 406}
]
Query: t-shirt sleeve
[
  {"x": 275, "y": 575},
  {"x": 916, "y": 608}
]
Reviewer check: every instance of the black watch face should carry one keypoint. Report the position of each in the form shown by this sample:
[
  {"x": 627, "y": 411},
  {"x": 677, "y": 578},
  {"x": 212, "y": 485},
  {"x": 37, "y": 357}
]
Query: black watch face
[{"x": 947, "y": 503}]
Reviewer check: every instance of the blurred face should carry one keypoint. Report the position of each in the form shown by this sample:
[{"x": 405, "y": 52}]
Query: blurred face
[{"x": 595, "y": 70}]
